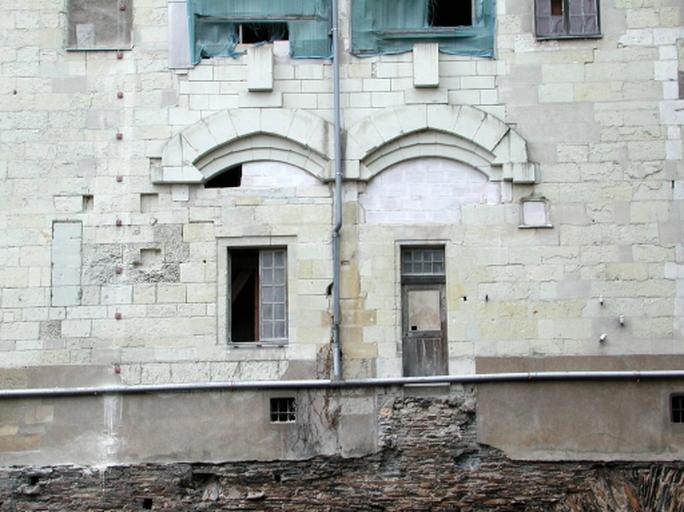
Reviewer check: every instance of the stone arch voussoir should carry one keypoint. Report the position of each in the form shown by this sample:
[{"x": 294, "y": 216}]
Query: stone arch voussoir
[
  {"x": 460, "y": 132},
  {"x": 236, "y": 136}
]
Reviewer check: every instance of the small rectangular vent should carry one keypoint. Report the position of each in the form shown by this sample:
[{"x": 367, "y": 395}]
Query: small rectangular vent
[
  {"x": 283, "y": 410},
  {"x": 677, "y": 408}
]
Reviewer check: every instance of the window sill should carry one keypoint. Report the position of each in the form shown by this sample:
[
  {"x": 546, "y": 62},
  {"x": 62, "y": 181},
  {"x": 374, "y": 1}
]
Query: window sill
[
  {"x": 103, "y": 49},
  {"x": 430, "y": 33},
  {"x": 562, "y": 37},
  {"x": 532, "y": 226},
  {"x": 257, "y": 344}
]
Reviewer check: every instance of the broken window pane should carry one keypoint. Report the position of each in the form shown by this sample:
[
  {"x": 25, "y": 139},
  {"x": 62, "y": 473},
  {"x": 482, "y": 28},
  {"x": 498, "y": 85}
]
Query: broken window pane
[
  {"x": 252, "y": 33},
  {"x": 99, "y": 24},
  {"x": 447, "y": 13},
  {"x": 219, "y": 25}
]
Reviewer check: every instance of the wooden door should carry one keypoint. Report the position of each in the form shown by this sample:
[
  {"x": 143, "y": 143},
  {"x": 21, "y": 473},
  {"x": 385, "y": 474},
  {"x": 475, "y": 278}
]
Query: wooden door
[{"x": 424, "y": 330}]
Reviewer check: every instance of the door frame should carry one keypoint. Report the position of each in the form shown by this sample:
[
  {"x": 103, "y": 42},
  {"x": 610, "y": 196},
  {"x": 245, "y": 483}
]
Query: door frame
[{"x": 425, "y": 282}]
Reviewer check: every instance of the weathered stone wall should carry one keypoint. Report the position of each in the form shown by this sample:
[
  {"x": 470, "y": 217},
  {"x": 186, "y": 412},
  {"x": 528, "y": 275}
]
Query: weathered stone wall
[
  {"x": 428, "y": 460},
  {"x": 601, "y": 117}
]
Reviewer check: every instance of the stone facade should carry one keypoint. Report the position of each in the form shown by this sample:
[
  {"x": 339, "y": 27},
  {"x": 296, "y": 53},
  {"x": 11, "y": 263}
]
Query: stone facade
[{"x": 114, "y": 252}]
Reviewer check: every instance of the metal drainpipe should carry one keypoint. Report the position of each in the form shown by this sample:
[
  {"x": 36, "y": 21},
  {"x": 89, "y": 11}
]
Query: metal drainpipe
[
  {"x": 336, "y": 348},
  {"x": 482, "y": 378}
]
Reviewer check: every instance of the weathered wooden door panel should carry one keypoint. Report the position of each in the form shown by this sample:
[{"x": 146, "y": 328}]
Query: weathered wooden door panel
[{"x": 424, "y": 330}]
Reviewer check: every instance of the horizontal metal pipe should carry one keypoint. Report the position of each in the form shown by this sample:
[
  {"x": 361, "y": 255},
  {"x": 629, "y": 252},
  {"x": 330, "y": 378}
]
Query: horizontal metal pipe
[{"x": 482, "y": 378}]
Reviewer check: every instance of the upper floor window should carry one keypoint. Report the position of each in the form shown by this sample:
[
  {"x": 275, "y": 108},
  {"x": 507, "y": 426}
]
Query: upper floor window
[
  {"x": 218, "y": 26},
  {"x": 392, "y": 26},
  {"x": 557, "y": 19},
  {"x": 99, "y": 24}
]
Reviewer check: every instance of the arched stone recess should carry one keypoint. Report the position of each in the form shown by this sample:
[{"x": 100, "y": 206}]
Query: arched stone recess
[
  {"x": 462, "y": 133},
  {"x": 237, "y": 136}
]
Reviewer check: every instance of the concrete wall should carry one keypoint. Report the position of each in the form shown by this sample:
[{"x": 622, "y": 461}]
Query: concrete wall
[{"x": 623, "y": 420}]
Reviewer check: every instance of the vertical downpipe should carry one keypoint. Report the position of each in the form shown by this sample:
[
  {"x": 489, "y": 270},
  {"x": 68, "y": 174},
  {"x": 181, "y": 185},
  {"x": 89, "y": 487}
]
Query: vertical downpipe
[{"x": 336, "y": 349}]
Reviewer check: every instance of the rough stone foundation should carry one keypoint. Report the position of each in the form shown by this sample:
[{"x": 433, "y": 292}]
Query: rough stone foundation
[{"x": 429, "y": 459}]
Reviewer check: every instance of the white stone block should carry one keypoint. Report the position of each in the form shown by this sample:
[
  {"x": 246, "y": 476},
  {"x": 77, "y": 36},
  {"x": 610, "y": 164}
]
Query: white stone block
[
  {"x": 66, "y": 263},
  {"x": 178, "y": 34},
  {"x": 535, "y": 214},
  {"x": 260, "y": 68},
  {"x": 426, "y": 65}
]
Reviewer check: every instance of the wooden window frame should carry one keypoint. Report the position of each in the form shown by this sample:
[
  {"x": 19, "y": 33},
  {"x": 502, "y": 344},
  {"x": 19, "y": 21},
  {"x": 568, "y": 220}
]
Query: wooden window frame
[
  {"x": 258, "y": 318},
  {"x": 224, "y": 246},
  {"x": 566, "y": 23}
]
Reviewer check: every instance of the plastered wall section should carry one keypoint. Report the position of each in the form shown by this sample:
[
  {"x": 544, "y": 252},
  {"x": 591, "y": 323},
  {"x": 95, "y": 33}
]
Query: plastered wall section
[{"x": 80, "y": 131}]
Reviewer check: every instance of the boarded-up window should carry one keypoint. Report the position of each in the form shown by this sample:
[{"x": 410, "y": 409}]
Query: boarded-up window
[
  {"x": 99, "y": 24},
  {"x": 567, "y": 18},
  {"x": 66, "y": 263}
]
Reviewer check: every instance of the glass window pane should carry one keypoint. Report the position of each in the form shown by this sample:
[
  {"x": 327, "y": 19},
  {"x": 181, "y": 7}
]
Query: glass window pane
[
  {"x": 575, "y": 7},
  {"x": 543, "y": 7},
  {"x": 557, "y": 26},
  {"x": 590, "y": 24},
  {"x": 589, "y": 7},
  {"x": 273, "y": 294},
  {"x": 423, "y": 261}
]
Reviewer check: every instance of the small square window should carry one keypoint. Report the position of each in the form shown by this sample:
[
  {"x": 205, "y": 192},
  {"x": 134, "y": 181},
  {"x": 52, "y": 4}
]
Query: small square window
[
  {"x": 283, "y": 410},
  {"x": 677, "y": 408},
  {"x": 557, "y": 19},
  {"x": 99, "y": 24}
]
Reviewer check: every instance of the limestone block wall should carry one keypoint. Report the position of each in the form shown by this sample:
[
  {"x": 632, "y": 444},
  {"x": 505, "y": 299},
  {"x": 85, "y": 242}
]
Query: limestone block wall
[{"x": 83, "y": 138}]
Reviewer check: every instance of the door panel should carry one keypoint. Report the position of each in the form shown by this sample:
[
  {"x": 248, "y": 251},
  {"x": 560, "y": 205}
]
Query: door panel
[{"x": 424, "y": 330}]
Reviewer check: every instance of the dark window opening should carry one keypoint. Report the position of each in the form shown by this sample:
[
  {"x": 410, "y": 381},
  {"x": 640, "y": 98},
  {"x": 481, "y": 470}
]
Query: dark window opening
[
  {"x": 448, "y": 13},
  {"x": 251, "y": 33},
  {"x": 556, "y": 7},
  {"x": 147, "y": 503},
  {"x": 677, "y": 408},
  {"x": 258, "y": 295},
  {"x": 229, "y": 178},
  {"x": 244, "y": 292},
  {"x": 283, "y": 410}
]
